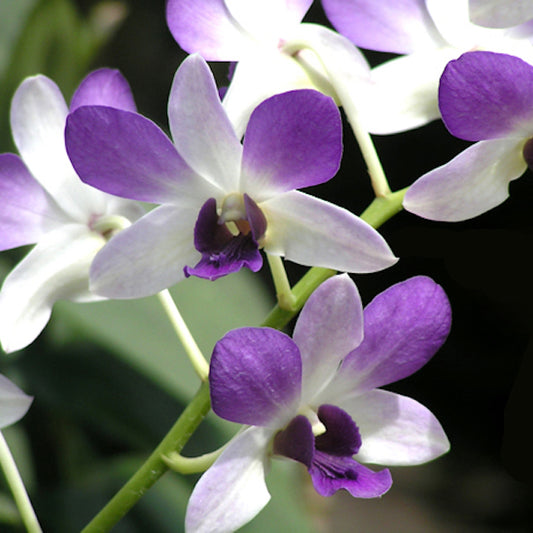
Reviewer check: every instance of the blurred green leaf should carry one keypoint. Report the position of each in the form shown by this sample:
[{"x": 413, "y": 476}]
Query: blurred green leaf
[{"x": 139, "y": 332}]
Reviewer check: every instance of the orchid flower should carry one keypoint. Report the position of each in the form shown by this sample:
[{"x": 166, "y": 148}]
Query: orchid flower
[
  {"x": 274, "y": 50},
  {"x": 14, "y": 403},
  {"x": 44, "y": 202},
  {"x": 430, "y": 33},
  {"x": 313, "y": 398},
  {"x": 221, "y": 201},
  {"x": 485, "y": 97}
]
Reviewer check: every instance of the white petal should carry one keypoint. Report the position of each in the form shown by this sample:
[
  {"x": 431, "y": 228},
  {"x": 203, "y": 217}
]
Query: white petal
[
  {"x": 233, "y": 490},
  {"x": 472, "y": 183},
  {"x": 500, "y": 13},
  {"x": 56, "y": 269},
  {"x": 149, "y": 256},
  {"x": 403, "y": 94},
  {"x": 313, "y": 232},
  {"x": 395, "y": 429},
  {"x": 14, "y": 403},
  {"x": 38, "y": 115}
]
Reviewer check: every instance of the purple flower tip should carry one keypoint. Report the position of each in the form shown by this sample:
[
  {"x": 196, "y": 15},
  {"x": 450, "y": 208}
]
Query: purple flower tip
[{"x": 222, "y": 251}]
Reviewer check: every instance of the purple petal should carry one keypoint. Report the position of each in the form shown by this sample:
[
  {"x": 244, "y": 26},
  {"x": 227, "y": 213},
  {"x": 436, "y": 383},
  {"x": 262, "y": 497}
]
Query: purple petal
[
  {"x": 27, "y": 212},
  {"x": 296, "y": 441},
  {"x": 395, "y": 429},
  {"x": 342, "y": 436},
  {"x": 404, "y": 327},
  {"x": 312, "y": 232},
  {"x": 222, "y": 252},
  {"x": 207, "y": 27},
  {"x": 484, "y": 95},
  {"x": 399, "y": 26},
  {"x": 331, "y": 473},
  {"x": 500, "y": 13},
  {"x": 15, "y": 403},
  {"x": 233, "y": 490},
  {"x": 106, "y": 87},
  {"x": 125, "y": 154},
  {"x": 472, "y": 183},
  {"x": 329, "y": 327},
  {"x": 293, "y": 140},
  {"x": 255, "y": 218},
  {"x": 201, "y": 130},
  {"x": 255, "y": 377}
]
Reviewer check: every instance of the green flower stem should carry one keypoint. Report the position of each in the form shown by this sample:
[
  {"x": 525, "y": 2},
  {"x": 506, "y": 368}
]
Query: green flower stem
[
  {"x": 191, "y": 465},
  {"x": 198, "y": 361},
  {"x": 18, "y": 490},
  {"x": 154, "y": 467},
  {"x": 286, "y": 299},
  {"x": 378, "y": 212}
]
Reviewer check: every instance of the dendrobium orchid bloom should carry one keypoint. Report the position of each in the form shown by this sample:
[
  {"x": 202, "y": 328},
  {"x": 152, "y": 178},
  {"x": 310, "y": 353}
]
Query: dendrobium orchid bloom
[
  {"x": 221, "y": 201},
  {"x": 274, "y": 50},
  {"x": 14, "y": 403},
  {"x": 44, "y": 202},
  {"x": 485, "y": 97},
  {"x": 314, "y": 398},
  {"x": 430, "y": 33}
]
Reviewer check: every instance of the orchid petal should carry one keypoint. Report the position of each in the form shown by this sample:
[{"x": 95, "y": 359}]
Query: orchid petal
[
  {"x": 38, "y": 114},
  {"x": 104, "y": 87},
  {"x": 329, "y": 327},
  {"x": 207, "y": 27},
  {"x": 296, "y": 441},
  {"x": 395, "y": 430},
  {"x": 27, "y": 211},
  {"x": 233, "y": 490},
  {"x": 255, "y": 377},
  {"x": 56, "y": 269},
  {"x": 310, "y": 231},
  {"x": 404, "y": 327},
  {"x": 472, "y": 183},
  {"x": 399, "y": 26},
  {"x": 293, "y": 140},
  {"x": 500, "y": 13},
  {"x": 201, "y": 130},
  {"x": 14, "y": 403},
  {"x": 484, "y": 95},
  {"x": 125, "y": 154},
  {"x": 147, "y": 257},
  {"x": 404, "y": 92}
]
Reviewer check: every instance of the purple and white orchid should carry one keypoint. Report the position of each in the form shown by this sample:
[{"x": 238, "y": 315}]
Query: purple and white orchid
[
  {"x": 221, "y": 200},
  {"x": 44, "y": 202},
  {"x": 430, "y": 33},
  {"x": 485, "y": 97},
  {"x": 314, "y": 398},
  {"x": 274, "y": 50}
]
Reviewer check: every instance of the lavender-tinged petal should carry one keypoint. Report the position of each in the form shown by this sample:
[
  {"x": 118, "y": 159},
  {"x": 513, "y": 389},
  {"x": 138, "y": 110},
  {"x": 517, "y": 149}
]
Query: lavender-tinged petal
[
  {"x": 105, "y": 87},
  {"x": 255, "y": 377},
  {"x": 313, "y": 232},
  {"x": 38, "y": 114},
  {"x": 472, "y": 183},
  {"x": 293, "y": 140},
  {"x": 399, "y": 26},
  {"x": 500, "y": 13},
  {"x": 329, "y": 327},
  {"x": 233, "y": 490},
  {"x": 13, "y": 401},
  {"x": 342, "y": 437},
  {"x": 395, "y": 430},
  {"x": 56, "y": 269},
  {"x": 208, "y": 28},
  {"x": 296, "y": 441},
  {"x": 201, "y": 130},
  {"x": 331, "y": 473},
  {"x": 484, "y": 95},
  {"x": 404, "y": 92},
  {"x": 404, "y": 327},
  {"x": 125, "y": 154},
  {"x": 147, "y": 257},
  {"x": 27, "y": 211}
]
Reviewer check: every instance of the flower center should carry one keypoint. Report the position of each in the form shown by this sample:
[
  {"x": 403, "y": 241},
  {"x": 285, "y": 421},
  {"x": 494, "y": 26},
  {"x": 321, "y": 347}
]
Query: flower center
[{"x": 108, "y": 225}]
